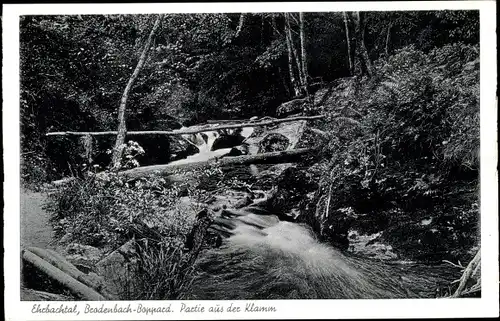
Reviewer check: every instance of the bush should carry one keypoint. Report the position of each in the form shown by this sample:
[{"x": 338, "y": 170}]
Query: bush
[
  {"x": 105, "y": 210},
  {"x": 419, "y": 119},
  {"x": 165, "y": 270},
  {"x": 34, "y": 171},
  {"x": 403, "y": 136}
]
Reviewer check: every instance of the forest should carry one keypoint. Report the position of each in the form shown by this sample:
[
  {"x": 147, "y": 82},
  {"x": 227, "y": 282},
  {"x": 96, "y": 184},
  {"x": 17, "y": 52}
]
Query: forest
[{"x": 283, "y": 155}]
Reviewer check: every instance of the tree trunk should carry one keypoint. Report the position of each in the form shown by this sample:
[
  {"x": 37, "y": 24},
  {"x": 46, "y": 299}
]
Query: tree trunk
[
  {"x": 361, "y": 50},
  {"x": 76, "y": 287},
  {"x": 283, "y": 81},
  {"x": 290, "y": 49},
  {"x": 303, "y": 52},
  {"x": 388, "y": 39},
  {"x": 240, "y": 25},
  {"x": 122, "y": 126},
  {"x": 357, "y": 69},
  {"x": 296, "y": 57},
  {"x": 58, "y": 261},
  {"x": 348, "y": 41},
  {"x": 264, "y": 158}
]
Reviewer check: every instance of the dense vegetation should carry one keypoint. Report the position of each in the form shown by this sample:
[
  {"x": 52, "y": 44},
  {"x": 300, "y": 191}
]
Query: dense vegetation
[{"x": 400, "y": 143}]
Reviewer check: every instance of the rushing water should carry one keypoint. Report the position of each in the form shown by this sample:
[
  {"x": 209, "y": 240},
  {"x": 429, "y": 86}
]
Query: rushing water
[
  {"x": 204, "y": 141},
  {"x": 264, "y": 258}
]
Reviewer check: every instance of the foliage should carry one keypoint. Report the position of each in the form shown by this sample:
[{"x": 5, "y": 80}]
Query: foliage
[
  {"x": 411, "y": 143},
  {"x": 105, "y": 210},
  {"x": 165, "y": 271},
  {"x": 34, "y": 170},
  {"x": 131, "y": 150},
  {"x": 74, "y": 68},
  {"x": 420, "y": 120}
]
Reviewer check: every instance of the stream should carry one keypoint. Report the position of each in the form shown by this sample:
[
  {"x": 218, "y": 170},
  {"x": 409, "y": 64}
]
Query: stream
[{"x": 262, "y": 257}]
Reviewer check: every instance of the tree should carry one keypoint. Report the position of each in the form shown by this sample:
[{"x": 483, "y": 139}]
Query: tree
[
  {"x": 290, "y": 50},
  {"x": 122, "y": 126},
  {"x": 348, "y": 42},
  {"x": 240, "y": 25},
  {"x": 362, "y": 62},
  {"x": 388, "y": 39},
  {"x": 303, "y": 54}
]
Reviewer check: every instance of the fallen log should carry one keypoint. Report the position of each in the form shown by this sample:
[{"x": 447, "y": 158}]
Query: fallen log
[
  {"x": 172, "y": 170},
  {"x": 188, "y": 131},
  {"x": 265, "y": 158},
  {"x": 79, "y": 289},
  {"x": 62, "y": 264}
]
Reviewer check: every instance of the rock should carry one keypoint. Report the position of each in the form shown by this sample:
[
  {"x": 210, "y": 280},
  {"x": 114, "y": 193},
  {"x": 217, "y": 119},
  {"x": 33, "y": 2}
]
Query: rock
[
  {"x": 238, "y": 150},
  {"x": 273, "y": 142},
  {"x": 292, "y": 131},
  {"x": 195, "y": 238},
  {"x": 369, "y": 246},
  {"x": 118, "y": 269},
  {"x": 180, "y": 148},
  {"x": 84, "y": 257},
  {"x": 336, "y": 230},
  {"x": 244, "y": 202},
  {"x": 275, "y": 170},
  {"x": 229, "y": 198},
  {"x": 292, "y": 107},
  {"x": 266, "y": 179},
  {"x": 292, "y": 188},
  {"x": 228, "y": 140}
]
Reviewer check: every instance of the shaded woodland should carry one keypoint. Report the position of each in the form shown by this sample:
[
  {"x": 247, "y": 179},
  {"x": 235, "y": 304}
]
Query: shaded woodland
[{"x": 393, "y": 153}]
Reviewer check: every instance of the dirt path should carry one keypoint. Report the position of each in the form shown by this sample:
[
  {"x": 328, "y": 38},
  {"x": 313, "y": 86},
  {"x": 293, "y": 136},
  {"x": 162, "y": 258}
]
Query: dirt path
[{"x": 35, "y": 227}]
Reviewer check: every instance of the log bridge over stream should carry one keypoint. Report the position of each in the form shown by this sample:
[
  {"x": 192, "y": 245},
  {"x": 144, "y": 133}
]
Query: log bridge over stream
[
  {"x": 55, "y": 267},
  {"x": 289, "y": 155}
]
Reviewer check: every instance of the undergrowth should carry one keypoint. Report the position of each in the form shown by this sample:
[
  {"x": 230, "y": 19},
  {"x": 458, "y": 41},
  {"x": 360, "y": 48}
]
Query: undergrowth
[
  {"x": 105, "y": 210},
  {"x": 406, "y": 141}
]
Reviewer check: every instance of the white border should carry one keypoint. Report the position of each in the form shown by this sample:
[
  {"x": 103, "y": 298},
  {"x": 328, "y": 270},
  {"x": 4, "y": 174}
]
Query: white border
[{"x": 287, "y": 309}]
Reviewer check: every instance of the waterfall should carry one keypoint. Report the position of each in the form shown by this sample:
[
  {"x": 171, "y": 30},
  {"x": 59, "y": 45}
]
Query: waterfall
[{"x": 204, "y": 142}]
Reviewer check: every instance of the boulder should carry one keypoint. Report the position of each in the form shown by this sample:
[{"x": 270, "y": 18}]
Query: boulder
[
  {"x": 238, "y": 150},
  {"x": 84, "y": 257},
  {"x": 230, "y": 199},
  {"x": 274, "y": 142},
  {"x": 292, "y": 107},
  {"x": 370, "y": 246},
  {"x": 267, "y": 175},
  {"x": 228, "y": 140},
  {"x": 293, "y": 186},
  {"x": 180, "y": 148},
  {"x": 118, "y": 269}
]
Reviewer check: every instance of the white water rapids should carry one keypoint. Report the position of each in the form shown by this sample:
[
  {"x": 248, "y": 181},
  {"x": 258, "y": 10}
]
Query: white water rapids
[
  {"x": 204, "y": 141},
  {"x": 262, "y": 257}
]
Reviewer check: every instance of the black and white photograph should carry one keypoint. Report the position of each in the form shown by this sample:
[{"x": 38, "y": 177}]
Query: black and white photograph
[{"x": 251, "y": 155}]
